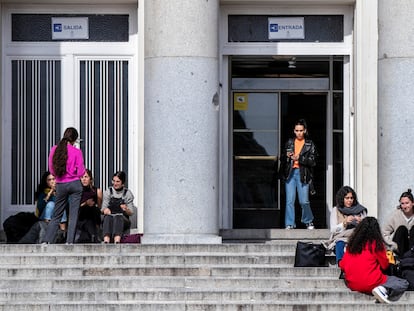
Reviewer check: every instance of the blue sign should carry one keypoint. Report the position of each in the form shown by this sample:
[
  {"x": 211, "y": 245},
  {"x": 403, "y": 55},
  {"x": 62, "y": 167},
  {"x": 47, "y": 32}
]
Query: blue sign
[
  {"x": 273, "y": 27},
  {"x": 57, "y": 27},
  {"x": 286, "y": 28},
  {"x": 64, "y": 28}
]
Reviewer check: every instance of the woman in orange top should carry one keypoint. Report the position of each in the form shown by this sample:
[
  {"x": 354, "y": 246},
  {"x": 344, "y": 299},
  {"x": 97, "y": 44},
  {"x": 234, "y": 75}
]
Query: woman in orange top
[{"x": 297, "y": 162}]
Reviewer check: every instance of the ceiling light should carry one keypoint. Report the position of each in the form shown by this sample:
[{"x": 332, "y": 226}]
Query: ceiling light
[{"x": 292, "y": 63}]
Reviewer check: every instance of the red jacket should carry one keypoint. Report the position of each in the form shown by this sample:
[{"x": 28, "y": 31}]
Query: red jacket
[{"x": 363, "y": 272}]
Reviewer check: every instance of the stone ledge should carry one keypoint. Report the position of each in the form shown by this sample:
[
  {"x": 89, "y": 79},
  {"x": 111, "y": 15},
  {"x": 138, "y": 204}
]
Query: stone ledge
[{"x": 274, "y": 234}]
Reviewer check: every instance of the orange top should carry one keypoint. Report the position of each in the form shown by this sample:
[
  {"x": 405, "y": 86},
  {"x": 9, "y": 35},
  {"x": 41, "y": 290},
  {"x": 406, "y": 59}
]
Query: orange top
[{"x": 298, "y": 148}]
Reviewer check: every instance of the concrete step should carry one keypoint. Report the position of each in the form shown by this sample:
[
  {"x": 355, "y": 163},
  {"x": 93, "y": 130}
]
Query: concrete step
[
  {"x": 195, "y": 294},
  {"x": 243, "y": 276},
  {"x": 120, "y": 271},
  {"x": 283, "y": 258},
  {"x": 246, "y": 305},
  {"x": 139, "y": 282},
  {"x": 137, "y": 249},
  {"x": 260, "y": 235}
]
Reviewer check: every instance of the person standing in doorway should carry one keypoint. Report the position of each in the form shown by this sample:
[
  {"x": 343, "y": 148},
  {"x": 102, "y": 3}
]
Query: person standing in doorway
[
  {"x": 296, "y": 169},
  {"x": 66, "y": 164}
]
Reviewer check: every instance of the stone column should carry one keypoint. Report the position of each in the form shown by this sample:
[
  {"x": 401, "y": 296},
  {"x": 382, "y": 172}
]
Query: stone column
[
  {"x": 395, "y": 103},
  {"x": 181, "y": 122}
]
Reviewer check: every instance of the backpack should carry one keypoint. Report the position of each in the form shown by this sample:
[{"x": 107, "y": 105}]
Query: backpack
[
  {"x": 16, "y": 226},
  {"x": 114, "y": 203}
]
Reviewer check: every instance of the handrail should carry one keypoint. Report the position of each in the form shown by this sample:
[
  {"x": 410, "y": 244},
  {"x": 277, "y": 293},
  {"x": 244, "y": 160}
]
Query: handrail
[{"x": 274, "y": 158}]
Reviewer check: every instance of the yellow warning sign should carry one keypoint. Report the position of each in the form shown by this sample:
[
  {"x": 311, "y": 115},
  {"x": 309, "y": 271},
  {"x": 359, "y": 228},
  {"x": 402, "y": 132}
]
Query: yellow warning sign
[{"x": 240, "y": 101}]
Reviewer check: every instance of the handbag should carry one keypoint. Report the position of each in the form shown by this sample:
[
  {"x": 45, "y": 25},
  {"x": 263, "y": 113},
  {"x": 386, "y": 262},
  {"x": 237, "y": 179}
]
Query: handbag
[
  {"x": 131, "y": 238},
  {"x": 310, "y": 254}
]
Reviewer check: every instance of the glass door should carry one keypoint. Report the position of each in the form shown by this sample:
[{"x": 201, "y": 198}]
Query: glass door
[{"x": 255, "y": 153}]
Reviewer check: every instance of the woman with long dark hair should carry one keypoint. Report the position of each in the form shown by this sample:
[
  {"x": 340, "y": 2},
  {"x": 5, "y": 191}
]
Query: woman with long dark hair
[
  {"x": 345, "y": 216},
  {"x": 365, "y": 261},
  {"x": 66, "y": 164},
  {"x": 298, "y": 159},
  {"x": 89, "y": 220}
]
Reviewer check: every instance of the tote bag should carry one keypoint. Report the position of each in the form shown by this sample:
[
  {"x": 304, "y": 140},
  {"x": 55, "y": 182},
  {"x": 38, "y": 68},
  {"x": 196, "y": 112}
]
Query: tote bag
[{"x": 310, "y": 254}]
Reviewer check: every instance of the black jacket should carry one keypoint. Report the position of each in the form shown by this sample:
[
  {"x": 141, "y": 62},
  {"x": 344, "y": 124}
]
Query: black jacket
[{"x": 307, "y": 160}]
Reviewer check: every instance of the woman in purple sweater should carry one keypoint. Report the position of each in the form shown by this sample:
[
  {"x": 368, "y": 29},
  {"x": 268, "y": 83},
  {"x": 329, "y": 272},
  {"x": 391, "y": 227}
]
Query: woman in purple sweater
[{"x": 66, "y": 164}]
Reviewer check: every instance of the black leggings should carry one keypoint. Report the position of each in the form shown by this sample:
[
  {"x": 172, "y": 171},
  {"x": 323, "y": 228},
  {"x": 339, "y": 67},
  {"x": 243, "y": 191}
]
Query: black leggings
[{"x": 404, "y": 239}]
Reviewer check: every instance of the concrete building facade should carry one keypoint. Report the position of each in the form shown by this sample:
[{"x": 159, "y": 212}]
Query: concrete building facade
[{"x": 194, "y": 99}]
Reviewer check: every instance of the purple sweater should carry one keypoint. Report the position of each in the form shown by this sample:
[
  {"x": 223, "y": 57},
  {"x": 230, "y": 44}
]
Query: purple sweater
[{"x": 74, "y": 165}]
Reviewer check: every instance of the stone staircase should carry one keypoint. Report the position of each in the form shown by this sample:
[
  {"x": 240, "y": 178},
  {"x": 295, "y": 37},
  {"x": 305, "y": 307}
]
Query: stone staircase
[{"x": 229, "y": 277}]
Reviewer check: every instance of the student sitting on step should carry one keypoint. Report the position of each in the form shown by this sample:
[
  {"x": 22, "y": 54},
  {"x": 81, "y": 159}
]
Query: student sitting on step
[
  {"x": 89, "y": 220},
  {"x": 365, "y": 261},
  {"x": 45, "y": 204},
  {"x": 344, "y": 217},
  {"x": 399, "y": 228},
  {"x": 117, "y": 206}
]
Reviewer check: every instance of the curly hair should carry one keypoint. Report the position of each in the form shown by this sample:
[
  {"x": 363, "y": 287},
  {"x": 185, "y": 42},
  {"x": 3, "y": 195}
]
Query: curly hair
[
  {"x": 342, "y": 192},
  {"x": 368, "y": 231},
  {"x": 42, "y": 184},
  {"x": 61, "y": 153}
]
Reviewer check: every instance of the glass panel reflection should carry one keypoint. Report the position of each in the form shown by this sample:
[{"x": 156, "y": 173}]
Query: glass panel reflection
[
  {"x": 255, "y": 143},
  {"x": 255, "y": 184},
  {"x": 255, "y": 146},
  {"x": 338, "y": 109},
  {"x": 255, "y": 111}
]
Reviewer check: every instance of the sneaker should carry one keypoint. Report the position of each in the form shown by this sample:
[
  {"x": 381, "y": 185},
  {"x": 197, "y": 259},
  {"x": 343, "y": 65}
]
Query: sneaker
[
  {"x": 289, "y": 227},
  {"x": 310, "y": 226},
  {"x": 381, "y": 294}
]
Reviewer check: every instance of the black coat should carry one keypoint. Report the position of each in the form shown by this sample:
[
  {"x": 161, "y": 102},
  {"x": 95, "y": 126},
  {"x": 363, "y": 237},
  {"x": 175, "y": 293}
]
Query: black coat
[{"x": 307, "y": 160}]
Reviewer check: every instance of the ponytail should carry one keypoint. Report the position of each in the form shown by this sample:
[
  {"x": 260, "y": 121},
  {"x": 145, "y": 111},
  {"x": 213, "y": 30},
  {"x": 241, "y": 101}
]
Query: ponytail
[{"x": 61, "y": 152}]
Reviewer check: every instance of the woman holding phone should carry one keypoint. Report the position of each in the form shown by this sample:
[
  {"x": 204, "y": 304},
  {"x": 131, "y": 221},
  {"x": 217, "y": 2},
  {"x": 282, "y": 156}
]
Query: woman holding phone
[{"x": 297, "y": 161}]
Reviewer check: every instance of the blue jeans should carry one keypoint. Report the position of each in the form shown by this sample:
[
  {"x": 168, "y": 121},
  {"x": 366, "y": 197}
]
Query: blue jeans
[
  {"x": 396, "y": 287},
  {"x": 292, "y": 185},
  {"x": 339, "y": 250},
  {"x": 48, "y": 212}
]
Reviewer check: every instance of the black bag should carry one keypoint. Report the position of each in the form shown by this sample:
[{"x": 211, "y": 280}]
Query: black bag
[
  {"x": 18, "y": 225},
  {"x": 309, "y": 254},
  {"x": 409, "y": 276}
]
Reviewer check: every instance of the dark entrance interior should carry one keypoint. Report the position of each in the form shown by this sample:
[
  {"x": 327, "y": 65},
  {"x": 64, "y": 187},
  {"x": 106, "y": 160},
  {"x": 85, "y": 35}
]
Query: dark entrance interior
[{"x": 312, "y": 108}]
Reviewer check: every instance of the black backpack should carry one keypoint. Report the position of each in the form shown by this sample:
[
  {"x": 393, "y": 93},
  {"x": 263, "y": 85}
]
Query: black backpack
[{"x": 16, "y": 226}]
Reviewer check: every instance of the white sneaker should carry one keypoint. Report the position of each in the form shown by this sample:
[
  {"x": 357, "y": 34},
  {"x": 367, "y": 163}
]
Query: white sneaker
[
  {"x": 289, "y": 227},
  {"x": 310, "y": 226},
  {"x": 381, "y": 294}
]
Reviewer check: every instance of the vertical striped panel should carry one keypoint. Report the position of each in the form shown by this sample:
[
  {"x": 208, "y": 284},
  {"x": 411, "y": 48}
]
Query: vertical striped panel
[
  {"x": 35, "y": 123},
  {"x": 103, "y": 121}
]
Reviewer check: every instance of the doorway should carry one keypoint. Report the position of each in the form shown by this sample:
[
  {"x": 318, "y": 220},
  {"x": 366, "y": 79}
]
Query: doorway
[
  {"x": 312, "y": 108},
  {"x": 267, "y": 97},
  {"x": 53, "y": 84}
]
